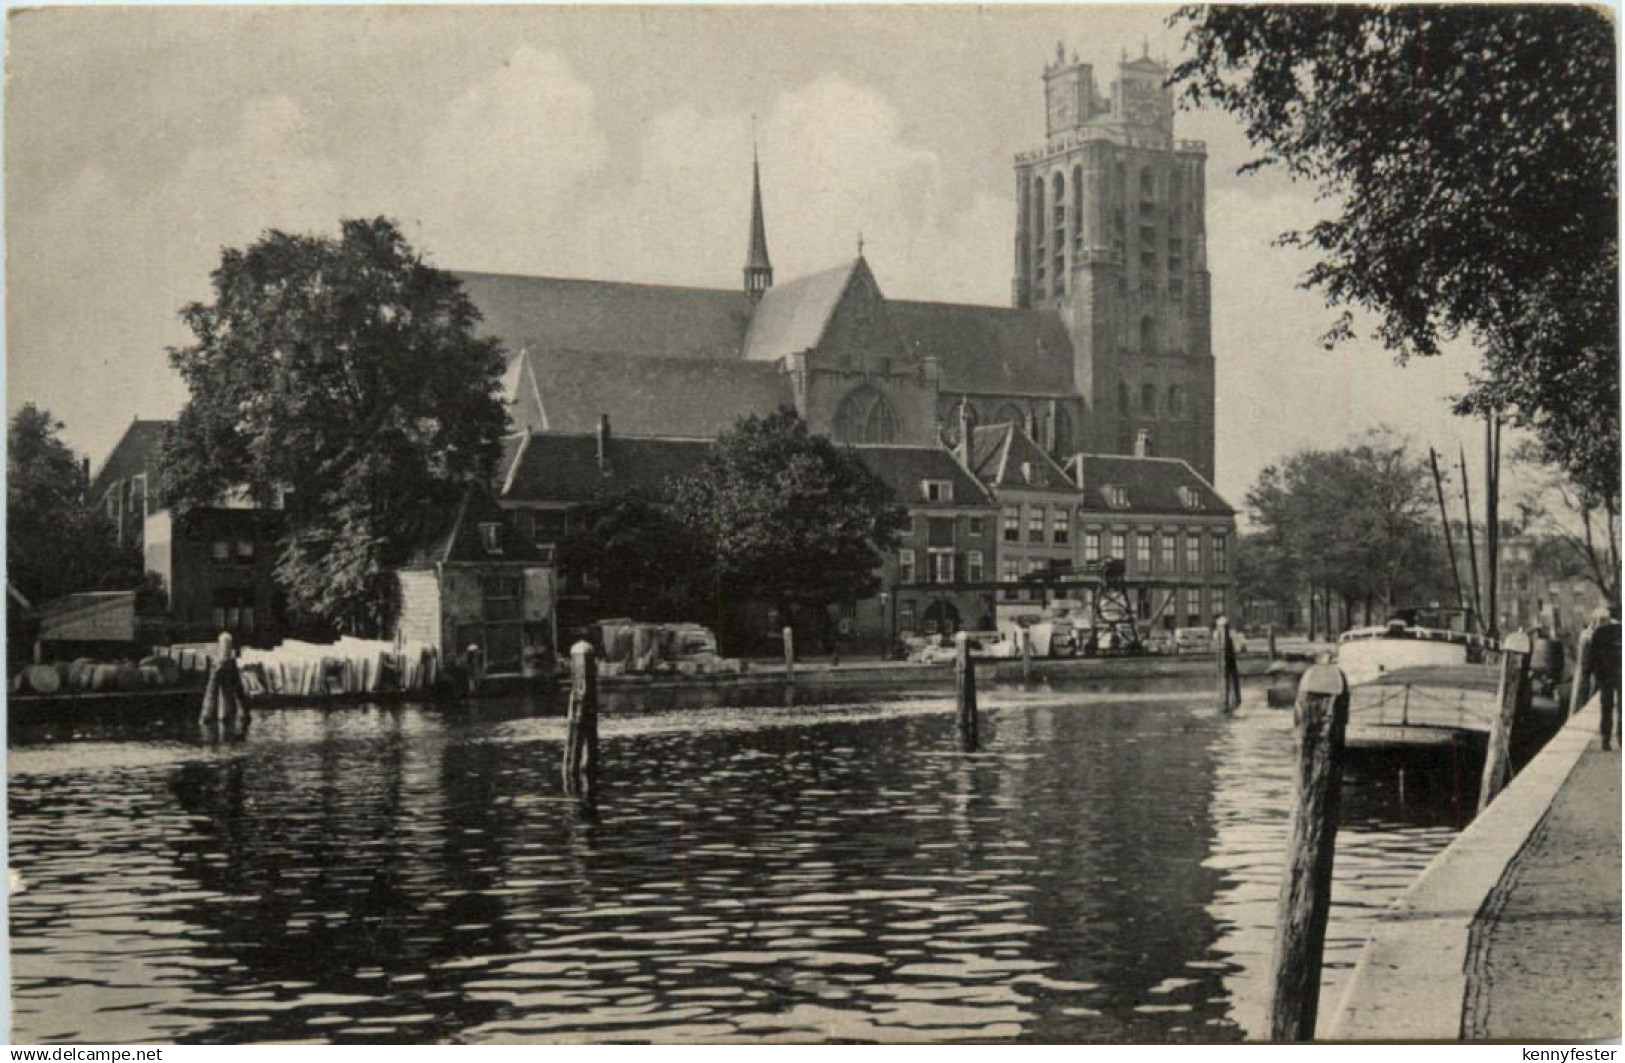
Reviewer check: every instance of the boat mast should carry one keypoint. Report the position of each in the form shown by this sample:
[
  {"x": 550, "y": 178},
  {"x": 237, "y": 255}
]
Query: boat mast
[
  {"x": 1492, "y": 521},
  {"x": 1472, "y": 551},
  {"x": 1444, "y": 526}
]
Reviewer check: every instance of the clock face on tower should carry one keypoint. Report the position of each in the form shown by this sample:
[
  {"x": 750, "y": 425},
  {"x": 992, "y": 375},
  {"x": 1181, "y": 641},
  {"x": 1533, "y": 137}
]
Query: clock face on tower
[
  {"x": 1140, "y": 103},
  {"x": 1063, "y": 109}
]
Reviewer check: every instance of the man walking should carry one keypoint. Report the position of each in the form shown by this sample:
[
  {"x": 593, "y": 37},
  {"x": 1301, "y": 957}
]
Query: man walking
[{"x": 1602, "y": 662}]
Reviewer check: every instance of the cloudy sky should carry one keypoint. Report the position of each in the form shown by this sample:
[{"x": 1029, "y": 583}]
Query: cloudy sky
[{"x": 610, "y": 143}]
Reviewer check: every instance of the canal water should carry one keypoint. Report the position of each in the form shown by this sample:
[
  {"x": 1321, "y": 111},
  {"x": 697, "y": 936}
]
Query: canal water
[{"x": 1104, "y": 869}]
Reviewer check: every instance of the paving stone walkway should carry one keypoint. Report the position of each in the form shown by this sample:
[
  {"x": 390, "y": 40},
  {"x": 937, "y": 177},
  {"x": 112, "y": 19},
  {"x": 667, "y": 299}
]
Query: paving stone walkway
[{"x": 1544, "y": 953}]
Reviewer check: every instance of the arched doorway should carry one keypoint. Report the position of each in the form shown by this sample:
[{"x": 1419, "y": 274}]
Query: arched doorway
[{"x": 941, "y": 618}]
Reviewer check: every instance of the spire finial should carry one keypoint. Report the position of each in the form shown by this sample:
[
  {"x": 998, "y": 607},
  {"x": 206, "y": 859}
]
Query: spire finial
[
  {"x": 860, "y": 243},
  {"x": 1145, "y": 47}
]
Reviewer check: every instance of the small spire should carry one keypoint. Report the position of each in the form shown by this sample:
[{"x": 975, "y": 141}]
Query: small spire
[
  {"x": 860, "y": 243},
  {"x": 1145, "y": 47},
  {"x": 758, "y": 267}
]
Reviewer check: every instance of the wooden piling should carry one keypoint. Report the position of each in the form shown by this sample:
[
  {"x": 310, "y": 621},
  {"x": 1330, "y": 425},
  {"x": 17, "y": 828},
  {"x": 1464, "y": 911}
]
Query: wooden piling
[
  {"x": 1026, "y": 655},
  {"x": 1511, "y": 700},
  {"x": 1580, "y": 688},
  {"x": 965, "y": 692},
  {"x": 1269, "y": 633},
  {"x": 1228, "y": 674},
  {"x": 581, "y": 747},
  {"x": 789, "y": 654},
  {"x": 1320, "y": 718}
]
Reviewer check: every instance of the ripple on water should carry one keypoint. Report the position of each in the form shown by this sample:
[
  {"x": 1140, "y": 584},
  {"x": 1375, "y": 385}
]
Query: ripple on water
[{"x": 835, "y": 872}]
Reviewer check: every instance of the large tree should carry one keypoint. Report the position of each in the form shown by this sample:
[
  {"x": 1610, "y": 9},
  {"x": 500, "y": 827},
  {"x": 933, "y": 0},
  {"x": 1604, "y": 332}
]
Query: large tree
[
  {"x": 341, "y": 379},
  {"x": 1577, "y": 533},
  {"x": 1353, "y": 521},
  {"x": 1469, "y": 156},
  {"x": 641, "y": 560},
  {"x": 790, "y": 517},
  {"x": 56, "y": 543}
]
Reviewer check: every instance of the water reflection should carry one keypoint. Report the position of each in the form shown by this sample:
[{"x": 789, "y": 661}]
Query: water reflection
[{"x": 1103, "y": 869}]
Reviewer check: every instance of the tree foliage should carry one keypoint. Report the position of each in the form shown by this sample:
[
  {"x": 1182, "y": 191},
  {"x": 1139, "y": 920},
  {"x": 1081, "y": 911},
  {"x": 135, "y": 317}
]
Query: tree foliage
[
  {"x": 1577, "y": 533},
  {"x": 340, "y": 378},
  {"x": 56, "y": 543},
  {"x": 790, "y": 517},
  {"x": 642, "y": 560},
  {"x": 1470, "y": 151},
  {"x": 1354, "y": 521}
]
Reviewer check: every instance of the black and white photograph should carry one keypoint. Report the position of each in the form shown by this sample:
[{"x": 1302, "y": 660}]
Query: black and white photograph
[{"x": 822, "y": 524}]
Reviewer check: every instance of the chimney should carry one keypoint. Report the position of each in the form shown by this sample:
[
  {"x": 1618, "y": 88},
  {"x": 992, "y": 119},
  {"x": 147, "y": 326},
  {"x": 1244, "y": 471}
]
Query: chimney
[
  {"x": 1142, "y": 443},
  {"x": 1077, "y": 465},
  {"x": 603, "y": 444},
  {"x": 967, "y": 424}
]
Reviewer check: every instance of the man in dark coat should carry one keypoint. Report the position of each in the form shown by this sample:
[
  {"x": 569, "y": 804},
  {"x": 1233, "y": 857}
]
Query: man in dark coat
[{"x": 1602, "y": 662}]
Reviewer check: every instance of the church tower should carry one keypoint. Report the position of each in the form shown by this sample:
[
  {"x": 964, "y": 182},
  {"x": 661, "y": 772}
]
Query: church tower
[
  {"x": 1111, "y": 233},
  {"x": 758, "y": 267}
]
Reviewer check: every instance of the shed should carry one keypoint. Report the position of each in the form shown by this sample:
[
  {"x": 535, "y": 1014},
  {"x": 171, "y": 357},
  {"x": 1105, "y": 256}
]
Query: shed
[{"x": 471, "y": 579}]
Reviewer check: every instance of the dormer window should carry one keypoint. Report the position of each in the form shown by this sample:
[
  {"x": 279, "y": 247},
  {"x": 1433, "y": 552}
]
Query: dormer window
[
  {"x": 1190, "y": 498},
  {"x": 937, "y": 490},
  {"x": 1116, "y": 495},
  {"x": 491, "y": 536}
]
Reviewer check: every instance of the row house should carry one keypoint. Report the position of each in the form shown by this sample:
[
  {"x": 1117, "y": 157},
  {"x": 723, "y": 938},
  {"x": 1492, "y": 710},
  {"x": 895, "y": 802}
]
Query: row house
[{"x": 215, "y": 567}]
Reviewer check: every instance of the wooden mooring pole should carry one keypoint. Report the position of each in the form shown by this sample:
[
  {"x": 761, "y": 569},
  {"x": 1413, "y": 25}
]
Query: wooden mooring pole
[
  {"x": 1270, "y": 634},
  {"x": 789, "y": 654},
  {"x": 965, "y": 692},
  {"x": 1229, "y": 676},
  {"x": 1320, "y": 718},
  {"x": 1580, "y": 688},
  {"x": 1026, "y": 655},
  {"x": 581, "y": 747},
  {"x": 1511, "y": 701}
]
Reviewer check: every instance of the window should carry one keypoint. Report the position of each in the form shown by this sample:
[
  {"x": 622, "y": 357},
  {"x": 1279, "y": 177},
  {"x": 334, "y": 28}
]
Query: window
[
  {"x": 1120, "y": 545},
  {"x": 1012, "y": 524},
  {"x": 1193, "y": 552},
  {"x": 973, "y": 566},
  {"x": 220, "y": 551},
  {"x": 1148, "y": 399},
  {"x": 1060, "y": 526},
  {"x": 1142, "y": 551},
  {"x": 245, "y": 551},
  {"x": 1009, "y": 572},
  {"x": 942, "y": 566},
  {"x": 233, "y": 608},
  {"x": 1193, "y": 606},
  {"x": 491, "y": 537},
  {"x": 1219, "y": 561},
  {"x": 938, "y": 490},
  {"x": 865, "y": 416},
  {"x": 1218, "y": 601},
  {"x": 1170, "y": 551},
  {"x": 976, "y": 527},
  {"x": 500, "y": 591},
  {"x": 1190, "y": 497},
  {"x": 905, "y": 617},
  {"x": 908, "y": 527},
  {"x": 905, "y": 566},
  {"x": 1091, "y": 546},
  {"x": 1116, "y": 496},
  {"x": 1148, "y": 184},
  {"x": 1035, "y": 524},
  {"x": 547, "y": 526}
]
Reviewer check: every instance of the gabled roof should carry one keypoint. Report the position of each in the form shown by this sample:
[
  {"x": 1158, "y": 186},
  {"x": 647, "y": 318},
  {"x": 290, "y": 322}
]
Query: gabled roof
[
  {"x": 905, "y": 469},
  {"x": 566, "y": 391},
  {"x": 564, "y": 467},
  {"x": 1153, "y": 485},
  {"x": 455, "y": 537},
  {"x": 989, "y": 348},
  {"x": 643, "y": 320},
  {"x": 1003, "y": 455},
  {"x": 792, "y": 317},
  {"x": 136, "y": 452}
]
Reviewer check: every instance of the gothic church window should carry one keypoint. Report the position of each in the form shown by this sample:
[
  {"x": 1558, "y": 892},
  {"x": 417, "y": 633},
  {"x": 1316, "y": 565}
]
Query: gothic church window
[
  {"x": 865, "y": 416},
  {"x": 1148, "y": 400},
  {"x": 1077, "y": 207}
]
